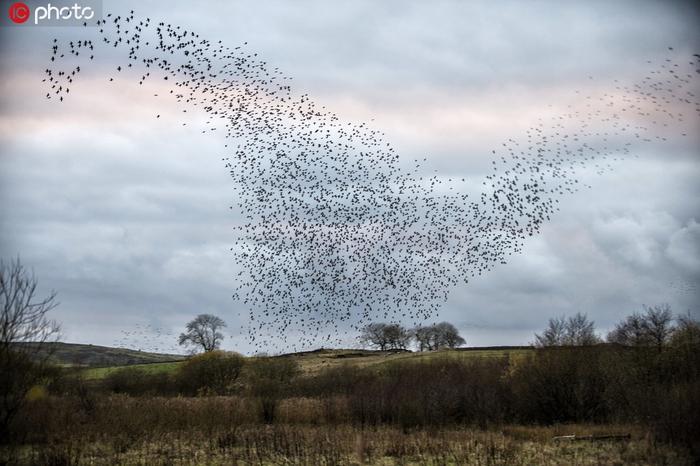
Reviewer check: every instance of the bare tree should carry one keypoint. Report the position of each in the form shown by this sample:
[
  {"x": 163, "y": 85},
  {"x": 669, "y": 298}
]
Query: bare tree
[
  {"x": 25, "y": 336},
  {"x": 659, "y": 324},
  {"x": 630, "y": 332},
  {"x": 653, "y": 328},
  {"x": 577, "y": 330},
  {"x": 554, "y": 334},
  {"x": 580, "y": 331},
  {"x": 385, "y": 336},
  {"x": 687, "y": 332},
  {"x": 424, "y": 337},
  {"x": 397, "y": 336},
  {"x": 203, "y": 331},
  {"x": 448, "y": 336},
  {"x": 437, "y": 336},
  {"x": 372, "y": 335}
]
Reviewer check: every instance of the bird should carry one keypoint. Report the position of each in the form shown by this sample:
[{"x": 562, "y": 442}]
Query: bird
[{"x": 338, "y": 229}]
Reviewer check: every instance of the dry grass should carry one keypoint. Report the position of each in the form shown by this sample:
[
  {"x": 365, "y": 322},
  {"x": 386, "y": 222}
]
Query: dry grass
[
  {"x": 346, "y": 445},
  {"x": 442, "y": 408},
  {"x": 314, "y": 362},
  {"x": 226, "y": 430}
]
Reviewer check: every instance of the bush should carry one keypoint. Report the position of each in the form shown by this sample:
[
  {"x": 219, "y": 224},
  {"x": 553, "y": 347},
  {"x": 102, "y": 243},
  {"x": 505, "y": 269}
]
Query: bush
[
  {"x": 269, "y": 379},
  {"x": 560, "y": 384},
  {"x": 332, "y": 381},
  {"x": 136, "y": 381},
  {"x": 211, "y": 373},
  {"x": 435, "y": 392},
  {"x": 675, "y": 416}
]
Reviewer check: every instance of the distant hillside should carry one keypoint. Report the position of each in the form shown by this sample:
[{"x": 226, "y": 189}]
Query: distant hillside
[
  {"x": 312, "y": 362},
  {"x": 94, "y": 356},
  {"x": 75, "y": 354}
]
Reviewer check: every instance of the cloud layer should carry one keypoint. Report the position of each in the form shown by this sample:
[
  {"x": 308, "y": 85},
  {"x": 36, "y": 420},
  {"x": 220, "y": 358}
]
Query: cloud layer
[{"x": 127, "y": 216}]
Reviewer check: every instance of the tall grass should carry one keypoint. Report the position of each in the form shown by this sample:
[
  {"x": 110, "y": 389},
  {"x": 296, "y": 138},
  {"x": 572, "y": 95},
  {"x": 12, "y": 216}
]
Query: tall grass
[{"x": 225, "y": 430}]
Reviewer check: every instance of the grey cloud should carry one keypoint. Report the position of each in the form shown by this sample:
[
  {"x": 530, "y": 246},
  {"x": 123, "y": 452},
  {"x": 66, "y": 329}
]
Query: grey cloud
[
  {"x": 128, "y": 219},
  {"x": 684, "y": 247}
]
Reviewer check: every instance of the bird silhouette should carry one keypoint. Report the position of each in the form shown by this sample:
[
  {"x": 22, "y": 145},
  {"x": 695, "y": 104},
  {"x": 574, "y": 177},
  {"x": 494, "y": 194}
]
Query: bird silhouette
[{"x": 336, "y": 231}]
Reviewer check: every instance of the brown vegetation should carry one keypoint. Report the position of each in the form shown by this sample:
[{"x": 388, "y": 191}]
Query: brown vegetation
[
  {"x": 449, "y": 407},
  {"x": 438, "y": 410},
  {"x": 225, "y": 430}
]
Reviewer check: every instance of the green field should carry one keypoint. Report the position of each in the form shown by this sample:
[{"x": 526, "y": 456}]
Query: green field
[{"x": 96, "y": 373}]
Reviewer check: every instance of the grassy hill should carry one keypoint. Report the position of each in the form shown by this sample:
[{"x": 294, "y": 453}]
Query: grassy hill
[
  {"x": 312, "y": 362},
  {"x": 75, "y": 354},
  {"x": 101, "y": 360},
  {"x": 97, "y": 373}
]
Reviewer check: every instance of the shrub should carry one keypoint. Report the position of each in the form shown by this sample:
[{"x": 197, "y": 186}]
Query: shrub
[
  {"x": 214, "y": 372},
  {"x": 137, "y": 381},
  {"x": 560, "y": 384},
  {"x": 269, "y": 379},
  {"x": 435, "y": 392}
]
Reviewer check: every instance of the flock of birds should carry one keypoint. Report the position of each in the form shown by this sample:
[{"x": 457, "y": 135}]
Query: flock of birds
[
  {"x": 335, "y": 231},
  {"x": 150, "y": 338}
]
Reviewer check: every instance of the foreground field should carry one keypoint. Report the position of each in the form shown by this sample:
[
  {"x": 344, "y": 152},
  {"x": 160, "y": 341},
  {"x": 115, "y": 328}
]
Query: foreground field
[
  {"x": 122, "y": 430},
  {"x": 286, "y": 445},
  {"x": 221, "y": 430},
  {"x": 342, "y": 407}
]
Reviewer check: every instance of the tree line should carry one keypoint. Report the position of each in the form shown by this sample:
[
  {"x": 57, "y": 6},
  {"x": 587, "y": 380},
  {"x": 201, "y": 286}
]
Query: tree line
[
  {"x": 203, "y": 333},
  {"x": 655, "y": 327},
  {"x": 394, "y": 336}
]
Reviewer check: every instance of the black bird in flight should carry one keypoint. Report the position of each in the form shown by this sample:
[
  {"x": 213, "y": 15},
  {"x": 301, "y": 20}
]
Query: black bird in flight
[{"x": 335, "y": 231}]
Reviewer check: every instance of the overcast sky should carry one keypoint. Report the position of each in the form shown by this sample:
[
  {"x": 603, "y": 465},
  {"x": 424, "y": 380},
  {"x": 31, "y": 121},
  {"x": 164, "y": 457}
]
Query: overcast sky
[{"x": 127, "y": 216}]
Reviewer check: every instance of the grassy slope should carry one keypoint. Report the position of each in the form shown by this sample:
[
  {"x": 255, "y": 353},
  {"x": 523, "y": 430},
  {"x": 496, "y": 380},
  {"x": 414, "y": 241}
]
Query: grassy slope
[
  {"x": 74, "y": 354},
  {"x": 312, "y": 362},
  {"x": 95, "y": 373}
]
